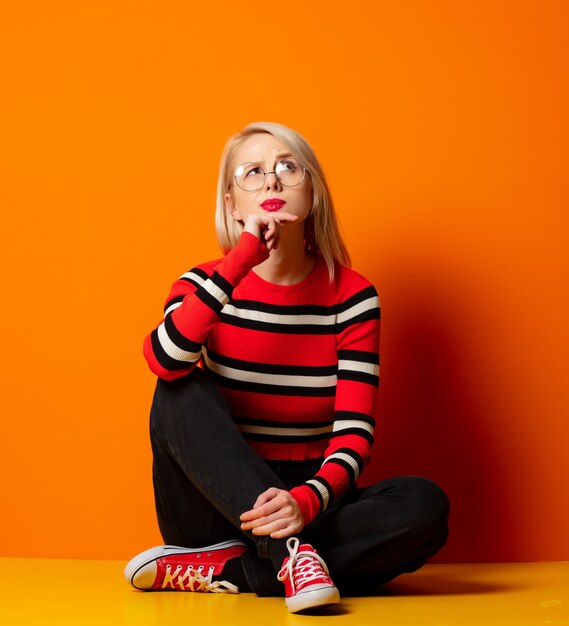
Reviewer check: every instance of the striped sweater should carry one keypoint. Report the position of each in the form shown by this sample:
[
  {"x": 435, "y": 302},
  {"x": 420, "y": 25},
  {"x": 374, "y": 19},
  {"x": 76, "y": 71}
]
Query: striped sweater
[{"x": 298, "y": 364}]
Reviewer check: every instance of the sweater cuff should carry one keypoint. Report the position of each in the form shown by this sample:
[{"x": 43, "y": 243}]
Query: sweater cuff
[
  {"x": 307, "y": 501},
  {"x": 249, "y": 252}
]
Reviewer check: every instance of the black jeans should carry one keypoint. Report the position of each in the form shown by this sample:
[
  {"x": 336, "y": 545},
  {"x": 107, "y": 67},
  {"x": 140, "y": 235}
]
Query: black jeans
[{"x": 205, "y": 475}]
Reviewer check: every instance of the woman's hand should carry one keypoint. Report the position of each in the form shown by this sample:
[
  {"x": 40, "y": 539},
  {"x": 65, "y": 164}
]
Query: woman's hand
[
  {"x": 275, "y": 513},
  {"x": 267, "y": 227}
]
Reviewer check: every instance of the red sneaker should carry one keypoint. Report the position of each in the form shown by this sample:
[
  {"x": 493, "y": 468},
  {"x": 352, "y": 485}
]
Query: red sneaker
[
  {"x": 182, "y": 569},
  {"x": 306, "y": 578}
]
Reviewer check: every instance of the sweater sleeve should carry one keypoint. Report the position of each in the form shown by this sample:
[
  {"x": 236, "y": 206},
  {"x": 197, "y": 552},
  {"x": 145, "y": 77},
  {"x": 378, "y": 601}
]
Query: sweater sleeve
[
  {"x": 193, "y": 306},
  {"x": 349, "y": 448}
]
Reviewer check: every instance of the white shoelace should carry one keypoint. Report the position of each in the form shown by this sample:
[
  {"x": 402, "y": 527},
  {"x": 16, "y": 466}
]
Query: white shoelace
[
  {"x": 193, "y": 580},
  {"x": 302, "y": 568}
]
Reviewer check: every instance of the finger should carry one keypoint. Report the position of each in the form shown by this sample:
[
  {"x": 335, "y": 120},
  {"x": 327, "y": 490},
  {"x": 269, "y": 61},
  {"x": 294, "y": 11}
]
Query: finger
[
  {"x": 287, "y": 217},
  {"x": 265, "y": 497},
  {"x": 268, "y": 231},
  {"x": 261, "y": 502},
  {"x": 274, "y": 226},
  {"x": 269, "y": 236},
  {"x": 275, "y": 237},
  {"x": 287, "y": 532},
  {"x": 278, "y": 529},
  {"x": 270, "y": 507},
  {"x": 284, "y": 512},
  {"x": 261, "y": 511},
  {"x": 270, "y": 526},
  {"x": 277, "y": 234}
]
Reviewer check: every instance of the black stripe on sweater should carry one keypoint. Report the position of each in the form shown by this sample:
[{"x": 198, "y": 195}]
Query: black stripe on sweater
[
  {"x": 172, "y": 301},
  {"x": 353, "y": 431},
  {"x": 361, "y": 377},
  {"x": 327, "y": 486},
  {"x": 285, "y": 438},
  {"x": 370, "y": 314},
  {"x": 248, "y": 421},
  {"x": 213, "y": 303},
  {"x": 199, "y": 272},
  {"x": 353, "y": 415},
  {"x": 360, "y": 296},
  {"x": 223, "y": 284},
  {"x": 306, "y": 309},
  {"x": 166, "y": 361},
  {"x": 359, "y": 355},
  {"x": 177, "y": 338},
  {"x": 298, "y": 329},
  {"x": 352, "y": 453},
  {"x": 349, "y": 469},
  {"x": 318, "y": 494},
  {"x": 286, "y": 329},
  {"x": 269, "y": 368}
]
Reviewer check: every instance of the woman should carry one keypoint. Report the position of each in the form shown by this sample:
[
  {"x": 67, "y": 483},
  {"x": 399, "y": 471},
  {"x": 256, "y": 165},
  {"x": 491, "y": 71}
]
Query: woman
[{"x": 256, "y": 452}]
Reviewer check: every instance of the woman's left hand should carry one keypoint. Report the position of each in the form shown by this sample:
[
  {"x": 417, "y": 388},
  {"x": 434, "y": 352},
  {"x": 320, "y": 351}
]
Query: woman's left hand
[{"x": 275, "y": 513}]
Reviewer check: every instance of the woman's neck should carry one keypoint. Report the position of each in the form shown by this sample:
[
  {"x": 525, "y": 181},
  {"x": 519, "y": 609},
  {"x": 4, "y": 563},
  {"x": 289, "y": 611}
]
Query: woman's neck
[{"x": 289, "y": 264}]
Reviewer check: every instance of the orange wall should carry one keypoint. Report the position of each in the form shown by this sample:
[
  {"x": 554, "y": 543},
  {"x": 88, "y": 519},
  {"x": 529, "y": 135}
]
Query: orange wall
[{"x": 442, "y": 127}]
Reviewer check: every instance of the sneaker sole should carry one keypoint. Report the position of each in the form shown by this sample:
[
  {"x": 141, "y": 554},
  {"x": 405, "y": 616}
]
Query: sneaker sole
[
  {"x": 312, "y": 599},
  {"x": 146, "y": 557}
]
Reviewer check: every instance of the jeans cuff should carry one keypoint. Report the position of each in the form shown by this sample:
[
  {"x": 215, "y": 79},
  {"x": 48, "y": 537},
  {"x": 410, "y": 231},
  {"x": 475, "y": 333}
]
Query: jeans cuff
[
  {"x": 261, "y": 575},
  {"x": 263, "y": 547}
]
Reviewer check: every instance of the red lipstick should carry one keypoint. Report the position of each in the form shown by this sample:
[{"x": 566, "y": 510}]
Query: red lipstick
[{"x": 273, "y": 204}]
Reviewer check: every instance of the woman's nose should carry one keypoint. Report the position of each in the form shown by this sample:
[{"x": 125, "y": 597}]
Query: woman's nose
[{"x": 275, "y": 182}]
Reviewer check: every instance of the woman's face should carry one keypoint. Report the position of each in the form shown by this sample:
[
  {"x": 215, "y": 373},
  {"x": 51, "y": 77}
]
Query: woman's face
[{"x": 265, "y": 150}]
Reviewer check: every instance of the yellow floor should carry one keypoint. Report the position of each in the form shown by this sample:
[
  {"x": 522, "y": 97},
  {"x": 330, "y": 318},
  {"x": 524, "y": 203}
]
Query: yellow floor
[{"x": 53, "y": 591}]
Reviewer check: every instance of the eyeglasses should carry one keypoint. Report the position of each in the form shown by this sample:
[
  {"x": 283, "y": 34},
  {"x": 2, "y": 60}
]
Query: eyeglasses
[{"x": 251, "y": 177}]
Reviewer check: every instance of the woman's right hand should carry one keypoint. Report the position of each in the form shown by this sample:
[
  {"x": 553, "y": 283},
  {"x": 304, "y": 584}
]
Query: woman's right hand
[{"x": 268, "y": 227}]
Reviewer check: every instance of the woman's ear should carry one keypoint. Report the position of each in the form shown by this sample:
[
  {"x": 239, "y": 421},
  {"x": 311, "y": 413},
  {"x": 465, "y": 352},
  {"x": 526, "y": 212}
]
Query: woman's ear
[{"x": 231, "y": 207}]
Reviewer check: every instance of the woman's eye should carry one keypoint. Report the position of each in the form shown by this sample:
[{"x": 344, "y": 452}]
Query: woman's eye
[
  {"x": 287, "y": 165},
  {"x": 253, "y": 170}
]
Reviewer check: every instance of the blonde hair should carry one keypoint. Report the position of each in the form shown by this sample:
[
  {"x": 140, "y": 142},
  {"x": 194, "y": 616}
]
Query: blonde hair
[{"x": 321, "y": 229}]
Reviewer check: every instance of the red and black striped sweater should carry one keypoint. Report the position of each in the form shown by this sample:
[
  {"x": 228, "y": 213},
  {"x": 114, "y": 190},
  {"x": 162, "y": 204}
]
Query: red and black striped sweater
[{"x": 298, "y": 364}]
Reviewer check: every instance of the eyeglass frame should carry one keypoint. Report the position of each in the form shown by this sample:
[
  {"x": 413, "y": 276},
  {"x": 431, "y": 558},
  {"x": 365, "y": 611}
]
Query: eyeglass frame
[{"x": 265, "y": 174}]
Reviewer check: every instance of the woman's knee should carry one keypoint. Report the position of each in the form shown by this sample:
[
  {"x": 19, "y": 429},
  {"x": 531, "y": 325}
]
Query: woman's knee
[
  {"x": 419, "y": 503},
  {"x": 429, "y": 504},
  {"x": 194, "y": 393}
]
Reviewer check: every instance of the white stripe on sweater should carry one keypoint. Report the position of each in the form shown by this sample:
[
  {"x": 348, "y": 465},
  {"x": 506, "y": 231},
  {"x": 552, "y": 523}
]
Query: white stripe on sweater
[
  {"x": 172, "y": 350},
  {"x": 340, "y": 425},
  {"x": 270, "y": 379},
  {"x": 272, "y": 430},
  {"x": 348, "y": 459},
  {"x": 359, "y": 366},
  {"x": 215, "y": 291},
  {"x": 196, "y": 278},
  {"x": 323, "y": 491},
  {"x": 321, "y": 320}
]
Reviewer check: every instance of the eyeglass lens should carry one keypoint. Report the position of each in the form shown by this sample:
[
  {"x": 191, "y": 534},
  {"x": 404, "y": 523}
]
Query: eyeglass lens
[{"x": 250, "y": 176}]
